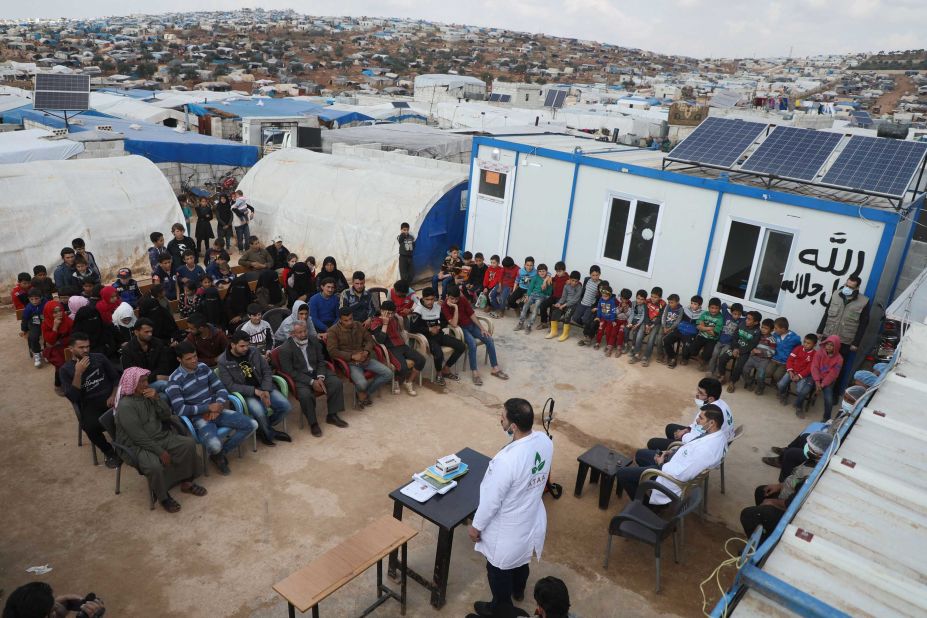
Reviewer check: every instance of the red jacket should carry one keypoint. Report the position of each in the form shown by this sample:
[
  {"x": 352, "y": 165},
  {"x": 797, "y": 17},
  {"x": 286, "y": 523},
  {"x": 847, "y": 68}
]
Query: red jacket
[
  {"x": 493, "y": 277},
  {"x": 800, "y": 361},
  {"x": 510, "y": 277},
  {"x": 403, "y": 304},
  {"x": 826, "y": 367},
  {"x": 559, "y": 282},
  {"x": 20, "y": 297}
]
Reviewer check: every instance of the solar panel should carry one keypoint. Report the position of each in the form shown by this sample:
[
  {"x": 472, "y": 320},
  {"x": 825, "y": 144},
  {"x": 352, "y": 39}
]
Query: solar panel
[
  {"x": 494, "y": 97},
  {"x": 549, "y": 99},
  {"x": 505, "y": 98},
  {"x": 876, "y": 164},
  {"x": 560, "y": 98},
  {"x": 862, "y": 119},
  {"x": 64, "y": 92},
  {"x": 400, "y": 104},
  {"x": 793, "y": 153},
  {"x": 717, "y": 141}
]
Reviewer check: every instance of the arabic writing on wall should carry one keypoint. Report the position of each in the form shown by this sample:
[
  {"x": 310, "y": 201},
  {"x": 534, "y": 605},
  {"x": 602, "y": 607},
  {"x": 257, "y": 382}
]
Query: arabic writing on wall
[{"x": 842, "y": 262}]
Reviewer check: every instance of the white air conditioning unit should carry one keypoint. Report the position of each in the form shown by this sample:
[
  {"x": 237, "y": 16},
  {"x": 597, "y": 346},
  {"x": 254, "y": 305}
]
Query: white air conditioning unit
[{"x": 105, "y": 127}]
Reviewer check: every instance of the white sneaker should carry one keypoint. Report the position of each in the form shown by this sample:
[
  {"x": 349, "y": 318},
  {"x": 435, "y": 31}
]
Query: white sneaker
[
  {"x": 37, "y": 359},
  {"x": 410, "y": 388}
]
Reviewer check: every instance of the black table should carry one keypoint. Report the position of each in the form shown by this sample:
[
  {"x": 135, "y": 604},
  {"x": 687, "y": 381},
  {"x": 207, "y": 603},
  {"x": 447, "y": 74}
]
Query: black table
[
  {"x": 596, "y": 462},
  {"x": 447, "y": 512}
]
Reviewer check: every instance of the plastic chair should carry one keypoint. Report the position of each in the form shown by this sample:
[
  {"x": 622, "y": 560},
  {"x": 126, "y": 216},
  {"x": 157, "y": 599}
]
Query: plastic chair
[
  {"x": 684, "y": 486},
  {"x": 242, "y": 406},
  {"x": 637, "y": 521},
  {"x": 738, "y": 431},
  {"x": 108, "y": 420},
  {"x": 419, "y": 343},
  {"x": 275, "y": 317},
  {"x": 486, "y": 325},
  {"x": 80, "y": 435},
  {"x": 377, "y": 296},
  {"x": 223, "y": 433}
]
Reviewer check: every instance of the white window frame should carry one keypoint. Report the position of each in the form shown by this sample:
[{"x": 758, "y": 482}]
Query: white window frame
[
  {"x": 747, "y": 301},
  {"x": 506, "y": 186},
  {"x": 632, "y": 211}
]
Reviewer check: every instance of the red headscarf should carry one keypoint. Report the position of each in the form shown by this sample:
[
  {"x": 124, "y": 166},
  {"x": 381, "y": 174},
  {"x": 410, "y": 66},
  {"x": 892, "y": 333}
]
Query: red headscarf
[
  {"x": 55, "y": 338},
  {"x": 108, "y": 303}
]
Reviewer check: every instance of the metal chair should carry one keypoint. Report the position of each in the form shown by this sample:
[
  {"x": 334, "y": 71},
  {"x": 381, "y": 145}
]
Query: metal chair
[
  {"x": 223, "y": 433},
  {"x": 637, "y": 521},
  {"x": 80, "y": 435},
  {"x": 108, "y": 420}
]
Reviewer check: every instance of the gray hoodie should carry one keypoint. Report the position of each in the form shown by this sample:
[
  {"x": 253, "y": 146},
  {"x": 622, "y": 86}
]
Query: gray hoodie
[
  {"x": 571, "y": 295},
  {"x": 286, "y": 327}
]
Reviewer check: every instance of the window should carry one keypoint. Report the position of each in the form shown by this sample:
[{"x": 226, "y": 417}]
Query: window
[
  {"x": 754, "y": 262},
  {"x": 630, "y": 233},
  {"x": 492, "y": 184}
]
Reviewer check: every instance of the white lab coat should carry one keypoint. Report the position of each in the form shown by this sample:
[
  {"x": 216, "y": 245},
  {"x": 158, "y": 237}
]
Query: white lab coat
[
  {"x": 695, "y": 430},
  {"x": 690, "y": 460},
  {"x": 511, "y": 516}
]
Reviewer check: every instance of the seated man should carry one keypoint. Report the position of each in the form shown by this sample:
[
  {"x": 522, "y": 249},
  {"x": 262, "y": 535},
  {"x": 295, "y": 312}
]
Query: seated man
[
  {"x": 773, "y": 500},
  {"x": 358, "y": 298},
  {"x": 323, "y": 307},
  {"x": 255, "y": 259},
  {"x": 458, "y": 311},
  {"x": 143, "y": 425},
  {"x": 686, "y": 463},
  {"x": 708, "y": 391},
  {"x": 196, "y": 392},
  {"x": 352, "y": 343},
  {"x": 869, "y": 379},
  {"x": 209, "y": 341},
  {"x": 426, "y": 321},
  {"x": 301, "y": 357},
  {"x": 387, "y": 329},
  {"x": 790, "y": 457},
  {"x": 145, "y": 351},
  {"x": 90, "y": 381},
  {"x": 243, "y": 369}
]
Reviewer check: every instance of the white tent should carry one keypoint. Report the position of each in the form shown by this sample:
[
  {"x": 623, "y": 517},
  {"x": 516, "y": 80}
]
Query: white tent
[
  {"x": 112, "y": 203},
  {"x": 350, "y": 206},
  {"x": 35, "y": 145},
  {"x": 128, "y": 108}
]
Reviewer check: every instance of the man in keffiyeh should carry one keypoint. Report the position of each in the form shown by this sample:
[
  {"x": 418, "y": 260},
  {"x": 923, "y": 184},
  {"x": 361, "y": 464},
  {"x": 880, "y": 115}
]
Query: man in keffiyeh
[{"x": 143, "y": 425}]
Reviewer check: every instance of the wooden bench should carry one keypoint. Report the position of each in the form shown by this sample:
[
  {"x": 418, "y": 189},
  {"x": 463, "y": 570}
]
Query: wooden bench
[
  {"x": 19, "y": 315},
  {"x": 237, "y": 269},
  {"x": 307, "y": 587}
]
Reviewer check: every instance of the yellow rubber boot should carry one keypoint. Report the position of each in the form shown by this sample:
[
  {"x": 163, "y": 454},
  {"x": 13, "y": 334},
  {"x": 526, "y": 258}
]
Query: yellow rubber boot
[
  {"x": 554, "y": 328},
  {"x": 566, "y": 333}
]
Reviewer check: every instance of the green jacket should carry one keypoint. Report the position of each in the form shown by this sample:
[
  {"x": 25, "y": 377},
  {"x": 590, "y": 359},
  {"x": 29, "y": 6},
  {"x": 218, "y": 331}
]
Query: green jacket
[
  {"x": 536, "y": 287},
  {"x": 706, "y": 319}
]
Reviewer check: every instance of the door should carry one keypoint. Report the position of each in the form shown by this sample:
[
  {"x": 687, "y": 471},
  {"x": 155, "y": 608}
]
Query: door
[{"x": 490, "y": 203}]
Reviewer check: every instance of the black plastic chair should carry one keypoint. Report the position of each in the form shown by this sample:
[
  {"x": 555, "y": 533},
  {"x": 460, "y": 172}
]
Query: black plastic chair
[
  {"x": 80, "y": 435},
  {"x": 275, "y": 317},
  {"x": 108, "y": 420},
  {"x": 637, "y": 521}
]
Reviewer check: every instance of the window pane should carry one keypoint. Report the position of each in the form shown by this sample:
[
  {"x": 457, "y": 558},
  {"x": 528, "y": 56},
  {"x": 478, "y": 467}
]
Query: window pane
[
  {"x": 492, "y": 184},
  {"x": 772, "y": 266},
  {"x": 617, "y": 226},
  {"x": 642, "y": 235},
  {"x": 738, "y": 259}
]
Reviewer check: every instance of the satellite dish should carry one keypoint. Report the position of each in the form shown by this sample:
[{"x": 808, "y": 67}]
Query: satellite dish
[{"x": 647, "y": 233}]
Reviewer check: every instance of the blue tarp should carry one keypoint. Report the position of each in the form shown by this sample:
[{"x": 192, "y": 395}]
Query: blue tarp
[
  {"x": 15, "y": 116},
  {"x": 161, "y": 144},
  {"x": 249, "y": 108}
]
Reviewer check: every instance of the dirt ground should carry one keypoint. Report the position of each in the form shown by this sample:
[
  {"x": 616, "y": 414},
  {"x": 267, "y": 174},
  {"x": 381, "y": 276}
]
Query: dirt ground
[
  {"x": 904, "y": 86},
  {"x": 284, "y": 506}
]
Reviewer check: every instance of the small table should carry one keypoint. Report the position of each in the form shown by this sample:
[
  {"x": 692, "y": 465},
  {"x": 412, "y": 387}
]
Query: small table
[
  {"x": 312, "y": 584},
  {"x": 597, "y": 458},
  {"x": 447, "y": 512}
]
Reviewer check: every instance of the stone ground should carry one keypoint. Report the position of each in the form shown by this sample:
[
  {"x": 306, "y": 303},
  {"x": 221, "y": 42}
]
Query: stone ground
[{"x": 282, "y": 507}]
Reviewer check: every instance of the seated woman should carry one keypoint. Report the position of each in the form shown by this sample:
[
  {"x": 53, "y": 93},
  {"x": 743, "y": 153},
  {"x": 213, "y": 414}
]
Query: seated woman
[{"x": 269, "y": 292}]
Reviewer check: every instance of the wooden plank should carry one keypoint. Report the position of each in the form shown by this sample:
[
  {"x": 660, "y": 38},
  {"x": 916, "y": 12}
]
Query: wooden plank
[
  {"x": 19, "y": 314},
  {"x": 252, "y": 284},
  {"x": 341, "y": 564},
  {"x": 237, "y": 269}
]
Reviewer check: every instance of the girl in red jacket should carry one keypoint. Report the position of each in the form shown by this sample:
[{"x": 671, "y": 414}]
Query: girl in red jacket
[
  {"x": 825, "y": 368},
  {"x": 56, "y": 332}
]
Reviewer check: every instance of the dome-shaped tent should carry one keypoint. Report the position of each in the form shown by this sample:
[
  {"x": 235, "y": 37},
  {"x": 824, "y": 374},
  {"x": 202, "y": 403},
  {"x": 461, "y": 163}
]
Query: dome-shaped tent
[
  {"x": 112, "y": 203},
  {"x": 350, "y": 206}
]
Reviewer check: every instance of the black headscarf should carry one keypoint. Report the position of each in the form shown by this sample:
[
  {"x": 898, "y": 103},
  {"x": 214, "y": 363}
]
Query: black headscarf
[
  {"x": 211, "y": 306},
  {"x": 238, "y": 298},
  {"x": 302, "y": 282},
  {"x": 336, "y": 275},
  {"x": 270, "y": 281},
  {"x": 165, "y": 327}
]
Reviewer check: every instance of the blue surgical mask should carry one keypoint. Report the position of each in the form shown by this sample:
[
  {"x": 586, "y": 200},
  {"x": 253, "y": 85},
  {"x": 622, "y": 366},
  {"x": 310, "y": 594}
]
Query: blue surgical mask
[
  {"x": 846, "y": 291},
  {"x": 807, "y": 452},
  {"x": 846, "y": 406}
]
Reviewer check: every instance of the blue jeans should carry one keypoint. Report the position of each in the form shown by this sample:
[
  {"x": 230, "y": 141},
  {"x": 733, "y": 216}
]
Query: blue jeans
[
  {"x": 242, "y": 234},
  {"x": 529, "y": 310},
  {"x": 803, "y": 388},
  {"x": 381, "y": 375},
  {"x": 209, "y": 430},
  {"x": 471, "y": 333},
  {"x": 279, "y": 405},
  {"x": 225, "y": 233},
  {"x": 442, "y": 292},
  {"x": 499, "y": 297}
]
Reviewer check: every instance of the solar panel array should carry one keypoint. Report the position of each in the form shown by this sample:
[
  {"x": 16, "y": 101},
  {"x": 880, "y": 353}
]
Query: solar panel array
[
  {"x": 61, "y": 92},
  {"x": 555, "y": 98},
  {"x": 400, "y": 105},
  {"x": 862, "y": 119},
  {"x": 501, "y": 98},
  {"x": 793, "y": 153},
  {"x": 874, "y": 164},
  {"x": 717, "y": 141}
]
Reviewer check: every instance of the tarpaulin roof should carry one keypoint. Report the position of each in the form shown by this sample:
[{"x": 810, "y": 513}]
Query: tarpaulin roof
[
  {"x": 259, "y": 107},
  {"x": 35, "y": 145},
  {"x": 161, "y": 144},
  {"x": 15, "y": 116}
]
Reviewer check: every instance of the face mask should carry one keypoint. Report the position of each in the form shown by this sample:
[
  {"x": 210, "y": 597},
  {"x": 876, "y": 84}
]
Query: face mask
[
  {"x": 807, "y": 452},
  {"x": 846, "y": 291},
  {"x": 846, "y": 406},
  {"x": 698, "y": 403},
  {"x": 509, "y": 431},
  {"x": 301, "y": 342}
]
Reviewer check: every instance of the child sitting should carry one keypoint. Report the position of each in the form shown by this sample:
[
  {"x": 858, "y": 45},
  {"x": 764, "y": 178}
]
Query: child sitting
[
  {"x": 798, "y": 373},
  {"x": 754, "y": 370},
  {"x": 477, "y": 274},
  {"x": 558, "y": 280},
  {"x": 445, "y": 274},
  {"x": 733, "y": 320},
  {"x": 622, "y": 315},
  {"x": 584, "y": 311},
  {"x": 510, "y": 272},
  {"x": 83, "y": 272},
  {"x": 156, "y": 250},
  {"x": 492, "y": 284},
  {"x": 605, "y": 312},
  {"x": 562, "y": 310},
  {"x": 825, "y": 369},
  {"x": 220, "y": 271},
  {"x": 190, "y": 299},
  {"x": 539, "y": 289},
  {"x": 748, "y": 335},
  {"x": 785, "y": 341},
  {"x": 649, "y": 330},
  {"x": 127, "y": 287},
  {"x": 163, "y": 275},
  {"x": 403, "y": 297},
  {"x": 709, "y": 326},
  {"x": 190, "y": 270},
  {"x": 667, "y": 327},
  {"x": 31, "y": 324},
  {"x": 525, "y": 273},
  {"x": 41, "y": 281},
  {"x": 635, "y": 322},
  {"x": 217, "y": 249}
]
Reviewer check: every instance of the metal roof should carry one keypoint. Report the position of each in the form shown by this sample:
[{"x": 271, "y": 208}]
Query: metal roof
[{"x": 858, "y": 542}]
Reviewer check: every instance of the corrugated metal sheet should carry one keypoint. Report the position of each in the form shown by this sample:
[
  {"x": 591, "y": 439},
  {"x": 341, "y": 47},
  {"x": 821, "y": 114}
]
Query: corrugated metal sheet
[{"x": 867, "y": 555}]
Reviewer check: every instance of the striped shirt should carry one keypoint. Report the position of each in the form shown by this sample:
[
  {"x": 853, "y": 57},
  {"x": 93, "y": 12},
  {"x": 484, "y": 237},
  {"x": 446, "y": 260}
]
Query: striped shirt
[{"x": 191, "y": 392}]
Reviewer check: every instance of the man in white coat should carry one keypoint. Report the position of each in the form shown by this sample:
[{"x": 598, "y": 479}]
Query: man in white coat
[{"x": 510, "y": 523}]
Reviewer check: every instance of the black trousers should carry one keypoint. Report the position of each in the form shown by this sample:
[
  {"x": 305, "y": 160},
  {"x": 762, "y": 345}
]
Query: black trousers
[
  {"x": 90, "y": 412},
  {"x": 661, "y": 444},
  {"x": 405, "y": 268},
  {"x": 791, "y": 458},
  {"x": 515, "y": 295},
  {"x": 436, "y": 342},
  {"x": 544, "y": 308},
  {"x": 700, "y": 345},
  {"x": 674, "y": 342},
  {"x": 506, "y": 583},
  {"x": 766, "y": 516}
]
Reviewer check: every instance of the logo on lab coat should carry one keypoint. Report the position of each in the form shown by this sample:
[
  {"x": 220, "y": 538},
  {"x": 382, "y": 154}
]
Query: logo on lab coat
[{"x": 538, "y": 463}]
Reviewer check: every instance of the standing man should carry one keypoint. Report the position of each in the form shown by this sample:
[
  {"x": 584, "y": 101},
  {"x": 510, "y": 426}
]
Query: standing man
[
  {"x": 847, "y": 316},
  {"x": 64, "y": 272},
  {"x": 511, "y": 523}
]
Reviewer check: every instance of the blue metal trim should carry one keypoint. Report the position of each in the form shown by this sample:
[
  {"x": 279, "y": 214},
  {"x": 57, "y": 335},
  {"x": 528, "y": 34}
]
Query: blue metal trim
[
  {"x": 787, "y": 595},
  {"x": 508, "y": 234},
  {"x": 569, "y": 221},
  {"x": 878, "y": 264},
  {"x": 915, "y": 213},
  {"x": 711, "y": 239},
  {"x": 474, "y": 151}
]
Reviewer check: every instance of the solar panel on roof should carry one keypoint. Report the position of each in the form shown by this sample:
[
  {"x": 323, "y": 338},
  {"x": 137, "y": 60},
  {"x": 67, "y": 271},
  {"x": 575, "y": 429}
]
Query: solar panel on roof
[
  {"x": 400, "y": 104},
  {"x": 505, "y": 98},
  {"x": 549, "y": 99},
  {"x": 560, "y": 98},
  {"x": 717, "y": 141},
  {"x": 65, "y": 92},
  {"x": 494, "y": 97},
  {"x": 876, "y": 164},
  {"x": 793, "y": 153}
]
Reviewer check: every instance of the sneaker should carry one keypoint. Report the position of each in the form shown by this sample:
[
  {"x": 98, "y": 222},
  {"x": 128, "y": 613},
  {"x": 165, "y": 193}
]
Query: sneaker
[
  {"x": 633, "y": 360},
  {"x": 520, "y": 326},
  {"x": 585, "y": 341},
  {"x": 439, "y": 380},
  {"x": 528, "y": 329},
  {"x": 731, "y": 387},
  {"x": 395, "y": 388},
  {"x": 450, "y": 375},
  {"x": 37, "y": 359},
  {"x": 221, "y": 463},
  {"x": 672, "y": 363},
  {"x": 410, "y": 388},
  {"x": 599, "y": 345},
  {"x": 646, "y": 363},
  {"x": 772, "y": 461},
  {"x": 494, "y": 315},
  {"x": 112, "y": 461},
  {"x": 608, "y": 349}
]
